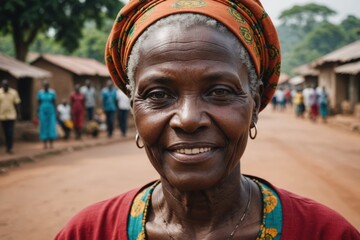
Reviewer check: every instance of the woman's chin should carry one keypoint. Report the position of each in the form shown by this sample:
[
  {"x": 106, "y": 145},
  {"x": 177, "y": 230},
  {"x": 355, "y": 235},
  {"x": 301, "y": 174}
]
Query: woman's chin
[{"x": 193, "y": 183}]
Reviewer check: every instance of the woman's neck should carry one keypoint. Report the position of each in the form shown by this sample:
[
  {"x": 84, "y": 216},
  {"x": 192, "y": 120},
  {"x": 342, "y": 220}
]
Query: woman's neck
[{"x": 206, "y": 207}]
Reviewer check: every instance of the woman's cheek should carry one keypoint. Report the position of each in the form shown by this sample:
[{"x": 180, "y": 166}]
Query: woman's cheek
[{"x": 150, "y": 125}]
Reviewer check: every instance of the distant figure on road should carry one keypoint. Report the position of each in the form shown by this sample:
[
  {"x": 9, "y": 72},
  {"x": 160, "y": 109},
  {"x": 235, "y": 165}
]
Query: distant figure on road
[
  {"x": 198, "y": 72},
  {"x": 89, "y": 93},
  {"x": 77, "y": 102},
  {"x": 64, "y": 118},
  {"x": 288, "y": 97},
  {"x": 280, "y": 99},
  {"x": 123, "y": 111},
  {"x": 47, "y": 115},
  {"x": 314, "y": 104},
  {"x": 306, "y": 93},
  {"x": 323, "y": 102},
  {"x": 299, "y": 104},
  {"x": 274, "y": 102},
  {"x": 9, "y": 112},
  {"x": 109, "y": 103}
]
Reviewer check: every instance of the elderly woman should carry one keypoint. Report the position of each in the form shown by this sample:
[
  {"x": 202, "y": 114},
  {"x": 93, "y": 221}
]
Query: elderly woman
[{"x": 198, "y": 72}]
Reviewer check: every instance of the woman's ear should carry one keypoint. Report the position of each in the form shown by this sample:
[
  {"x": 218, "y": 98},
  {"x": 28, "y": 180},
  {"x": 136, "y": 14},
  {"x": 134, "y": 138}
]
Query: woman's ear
[{"x": 256, "y": 109}]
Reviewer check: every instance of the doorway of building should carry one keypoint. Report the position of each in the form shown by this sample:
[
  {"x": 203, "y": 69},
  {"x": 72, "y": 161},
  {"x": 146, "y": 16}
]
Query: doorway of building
[{"x": 25, "y": 92}]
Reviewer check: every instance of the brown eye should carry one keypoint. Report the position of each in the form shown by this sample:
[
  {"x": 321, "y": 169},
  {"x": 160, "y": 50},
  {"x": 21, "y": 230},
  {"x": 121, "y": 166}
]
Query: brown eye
[
  {"x": 158, "y": 95},
  {"x": 219, "y": 92}
]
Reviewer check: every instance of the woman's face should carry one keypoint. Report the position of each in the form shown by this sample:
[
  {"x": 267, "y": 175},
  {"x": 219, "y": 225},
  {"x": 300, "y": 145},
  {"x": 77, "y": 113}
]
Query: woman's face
[
  {"x": 46, "y": 85},
  {"x": 192, "y": 106}
]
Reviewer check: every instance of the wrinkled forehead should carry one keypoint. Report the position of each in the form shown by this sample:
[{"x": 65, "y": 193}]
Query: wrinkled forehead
[{"x": 200, "y": 41}]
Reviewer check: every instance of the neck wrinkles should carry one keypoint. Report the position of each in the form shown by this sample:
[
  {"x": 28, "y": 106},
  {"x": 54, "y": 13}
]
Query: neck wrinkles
[{"x": 204, "y": 208}]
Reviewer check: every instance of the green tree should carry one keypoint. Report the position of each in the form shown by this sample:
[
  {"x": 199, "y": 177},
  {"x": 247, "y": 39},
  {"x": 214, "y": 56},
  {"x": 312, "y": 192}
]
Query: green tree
[
  {"x": 351, "y": 25},
  {"x": 326, "y": 37},
  {"x": 6, "y": 45},
  {"x": 46, "y": 44},
  {"x": 92, "y": 45},
  {"x": 305, "y": 17},
  {"x": 24, "y": 19}
]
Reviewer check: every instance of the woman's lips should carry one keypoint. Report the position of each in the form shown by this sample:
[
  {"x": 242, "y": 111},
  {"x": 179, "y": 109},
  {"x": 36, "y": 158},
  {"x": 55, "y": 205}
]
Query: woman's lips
[{"x": 193, "y": 155}]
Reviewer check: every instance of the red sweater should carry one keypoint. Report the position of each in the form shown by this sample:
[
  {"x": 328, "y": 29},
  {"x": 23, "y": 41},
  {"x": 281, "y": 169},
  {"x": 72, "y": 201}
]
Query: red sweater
[{"x": 302, "y": 219}]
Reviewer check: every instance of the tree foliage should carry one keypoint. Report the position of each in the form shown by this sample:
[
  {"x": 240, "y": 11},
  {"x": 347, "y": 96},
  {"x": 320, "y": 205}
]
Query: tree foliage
[
  {"x": 304, "y": 17},
  {"x": 24, "y": 19},
  {"x": 92, "y": 45},
  {"x": 306, "y": 34},
  {"x": 351, "y": 25}
]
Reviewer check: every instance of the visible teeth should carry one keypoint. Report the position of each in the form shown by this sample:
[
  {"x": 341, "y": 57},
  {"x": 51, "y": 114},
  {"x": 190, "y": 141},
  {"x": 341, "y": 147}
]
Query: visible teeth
[{"x": 191, "y": 151}]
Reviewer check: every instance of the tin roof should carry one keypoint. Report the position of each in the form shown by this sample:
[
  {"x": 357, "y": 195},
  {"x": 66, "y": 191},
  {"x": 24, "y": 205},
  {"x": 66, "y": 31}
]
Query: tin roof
[
  {"x": 283, "y": 78},
  {"x": 345, "y": 54},
  {"x": 77, "y": 65},
  {"x": 306, "y": 70},
  {"x": 350, "y": 68},
  {"x": 20, "y": 69},
  {"x": 297, "y": 80}
]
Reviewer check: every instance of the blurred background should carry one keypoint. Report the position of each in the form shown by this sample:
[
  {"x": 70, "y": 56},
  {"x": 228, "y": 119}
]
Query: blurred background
[{"x": 313, "y": 153}]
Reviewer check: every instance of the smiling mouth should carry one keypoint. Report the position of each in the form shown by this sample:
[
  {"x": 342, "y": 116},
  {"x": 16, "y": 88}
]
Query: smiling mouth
[{"x": 193, "y": 151}]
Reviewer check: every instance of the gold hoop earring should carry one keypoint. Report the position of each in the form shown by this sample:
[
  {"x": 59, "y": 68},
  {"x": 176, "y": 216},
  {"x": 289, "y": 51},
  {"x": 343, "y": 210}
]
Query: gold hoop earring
[
  {"x": 250, "y": 132},
  {"x": 137, "y": 140}
]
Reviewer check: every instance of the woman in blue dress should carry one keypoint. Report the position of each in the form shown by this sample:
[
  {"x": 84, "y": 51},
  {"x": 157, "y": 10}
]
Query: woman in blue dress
[
  {"x": 323, "y": 102},
  {"x": 47, "y": 115}
]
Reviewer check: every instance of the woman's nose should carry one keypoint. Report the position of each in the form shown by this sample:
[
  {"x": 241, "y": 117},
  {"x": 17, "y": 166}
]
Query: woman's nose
[{"x": 190, "y": 116}]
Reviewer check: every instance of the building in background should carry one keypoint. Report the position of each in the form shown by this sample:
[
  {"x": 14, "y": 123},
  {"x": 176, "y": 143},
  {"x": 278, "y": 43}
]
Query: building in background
[
  {"x": 339, "y": 74},
  {"x": 69, "y": 70},
  {"x": 305, "y": 76},
  {"x": 22, "y": 77}
]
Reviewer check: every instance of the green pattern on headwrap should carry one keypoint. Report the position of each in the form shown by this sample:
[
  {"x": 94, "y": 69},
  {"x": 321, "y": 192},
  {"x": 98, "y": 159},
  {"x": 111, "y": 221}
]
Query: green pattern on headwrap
[
  {"x": 189, "y": 4},
  {"x": 264, "y": 15},
  {"x": 273, "y": 51},
  {"x": 246, "y": 34},
  {"x": 236, "y": 15}
]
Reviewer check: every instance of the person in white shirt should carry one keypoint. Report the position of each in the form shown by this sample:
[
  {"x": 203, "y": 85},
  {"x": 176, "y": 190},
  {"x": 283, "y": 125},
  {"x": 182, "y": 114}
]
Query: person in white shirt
[
  {"x": 64, "y": 118},
  {"x": 280, "y": 98},
  {"x": 123, "y": 111},
  {"x": 89, "y": 93},
  {"x": 306, "y": 93}
]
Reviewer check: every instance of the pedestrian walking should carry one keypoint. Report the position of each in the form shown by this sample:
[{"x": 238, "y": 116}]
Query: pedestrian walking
[
  {"x": 323, "y": 102},
  {"x": 64, "y": 118},
  {"x": 306, "y": 93},
  {"x": 280, "y": 99},
  {"x": 9, "y": 112},
  {"x": 288, "y": 97},
  {"x": 123, "y": 111},
  {"x": 314, "y": 104},
  {"x": 299, "y": 104},
  {"x": 47, "y": 115},
  {"x": 77, "y": 102},
  {"x": 274, "y": 102},
  {"x": 89, "y": 93},
  {"x": 109, "y": 103}
]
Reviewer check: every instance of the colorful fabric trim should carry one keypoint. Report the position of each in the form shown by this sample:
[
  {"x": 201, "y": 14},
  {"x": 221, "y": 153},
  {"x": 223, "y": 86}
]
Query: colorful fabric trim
[
  {"x": 270, "y": 228},
  {"x": 247, "y": 19},
  {"x": 138, "y": 213}
]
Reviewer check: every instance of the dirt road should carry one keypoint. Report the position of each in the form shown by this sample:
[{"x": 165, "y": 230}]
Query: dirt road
[{"x": 313, "y": 160}]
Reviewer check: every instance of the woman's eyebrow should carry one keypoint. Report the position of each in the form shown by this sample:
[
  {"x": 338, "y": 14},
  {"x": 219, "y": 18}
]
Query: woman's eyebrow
[{"x": 157, "y": 79}]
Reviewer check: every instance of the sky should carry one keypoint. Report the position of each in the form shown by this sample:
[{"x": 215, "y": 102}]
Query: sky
[{"x": 342, "y": 7}]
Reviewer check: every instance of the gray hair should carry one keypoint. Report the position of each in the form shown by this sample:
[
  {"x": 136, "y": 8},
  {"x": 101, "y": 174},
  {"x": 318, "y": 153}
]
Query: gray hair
[{"x": 185, "y": 21}]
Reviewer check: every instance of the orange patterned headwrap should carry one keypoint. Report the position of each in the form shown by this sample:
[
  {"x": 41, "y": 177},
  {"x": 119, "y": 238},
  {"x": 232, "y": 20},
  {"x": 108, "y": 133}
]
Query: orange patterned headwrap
[{"x": 245, "y": 18}]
